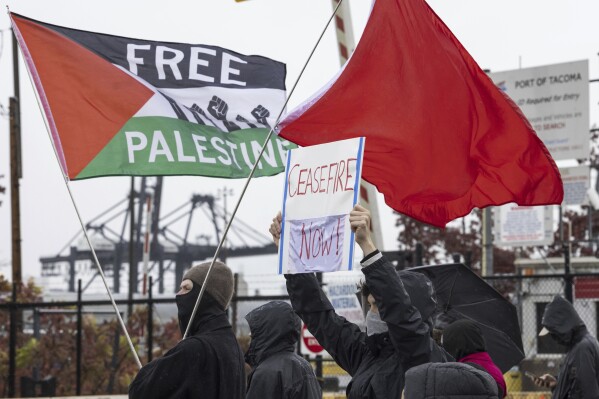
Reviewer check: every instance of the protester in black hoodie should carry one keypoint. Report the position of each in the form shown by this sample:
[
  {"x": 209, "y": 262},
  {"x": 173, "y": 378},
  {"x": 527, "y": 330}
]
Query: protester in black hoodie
[
  {"x": 209, "y": 363},
  {"x": 277, "y": 371},
  {"x": 398, "y": 328},
  {"x": 579, "y": 372},
  {"x": 464, "y": 340}
]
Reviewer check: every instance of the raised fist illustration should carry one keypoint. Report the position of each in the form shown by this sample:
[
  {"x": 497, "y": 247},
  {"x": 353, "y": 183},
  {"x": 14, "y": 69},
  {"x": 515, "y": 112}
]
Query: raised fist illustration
[
  {"x": 218, "y": 108},
  {"x": 261, "y": 113}
]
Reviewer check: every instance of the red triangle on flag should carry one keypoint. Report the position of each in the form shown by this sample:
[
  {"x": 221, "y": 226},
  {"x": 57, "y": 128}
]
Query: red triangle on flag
[{"x": 88, "y": 98}]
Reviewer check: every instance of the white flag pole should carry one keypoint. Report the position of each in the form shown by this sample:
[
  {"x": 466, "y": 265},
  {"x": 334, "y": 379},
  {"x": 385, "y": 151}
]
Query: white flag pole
[
  {"x": 247, "y": 182},
  {"x": 66, "y": 181}
]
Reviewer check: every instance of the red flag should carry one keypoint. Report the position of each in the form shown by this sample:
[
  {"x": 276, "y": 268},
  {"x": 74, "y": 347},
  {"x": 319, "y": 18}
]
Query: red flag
[{"x": 441, "y": 139}]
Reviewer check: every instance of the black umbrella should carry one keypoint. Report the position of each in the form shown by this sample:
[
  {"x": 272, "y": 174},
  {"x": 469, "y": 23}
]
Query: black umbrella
[{"x": 461, "y": 294}]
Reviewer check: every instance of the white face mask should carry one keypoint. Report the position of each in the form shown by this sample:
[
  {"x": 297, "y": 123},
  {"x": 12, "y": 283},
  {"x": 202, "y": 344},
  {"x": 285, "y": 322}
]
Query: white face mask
[{"x": 374, "y": 324}]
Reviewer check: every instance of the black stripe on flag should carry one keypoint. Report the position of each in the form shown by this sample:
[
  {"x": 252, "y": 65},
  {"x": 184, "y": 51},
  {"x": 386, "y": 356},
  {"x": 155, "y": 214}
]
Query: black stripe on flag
[{"x": 179, "y": 65}]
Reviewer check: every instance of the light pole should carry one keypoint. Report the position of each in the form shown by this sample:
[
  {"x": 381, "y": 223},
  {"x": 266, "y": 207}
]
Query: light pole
[{"x": 567, "y": 250}]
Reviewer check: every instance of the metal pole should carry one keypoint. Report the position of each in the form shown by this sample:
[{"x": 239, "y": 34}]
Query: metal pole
[
  {"x": 150, "y": 320},
  {"x": 160, "y": 270},
  {"x": 319, "y": 374},
  {"x": 224, "y": 251},
  {"x": 16, "y": 170},
  {"x": 566, "y": 246},
  {"x": 79, "y": 336},
  {"x": 146, "y": 244},
  {"x": 12, "y": 344},
  {"x": 568, "y": 279},
  {"x": 132, "y": 267},
  {"x": 235, "y": 303},
  {"x": 561, "y": 227},
  {"x": 15, "y": 66},
  {"x": 249, "y": 178},
  {"x": 225, "y": 193},
  {"x": 487, "y": 242},
  {"x": 590, "y": 228},
  {"x": 419, "y": 254},
  {"x": 15, "y": 174},
  {"x": 36, "y": 335}
]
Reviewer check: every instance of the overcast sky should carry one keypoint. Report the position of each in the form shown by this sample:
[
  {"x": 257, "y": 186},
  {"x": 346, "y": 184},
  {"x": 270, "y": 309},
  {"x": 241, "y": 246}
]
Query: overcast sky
[{"x": 501, "y": 35}]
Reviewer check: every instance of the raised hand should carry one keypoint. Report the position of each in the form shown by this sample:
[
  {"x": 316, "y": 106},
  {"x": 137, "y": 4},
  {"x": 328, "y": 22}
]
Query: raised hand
[
  {"x": 546, "y": 381},
  {"x": 275, "y": 228},
  {"x": 359, "y": 219},
  {"x": 261, "y": 113}
]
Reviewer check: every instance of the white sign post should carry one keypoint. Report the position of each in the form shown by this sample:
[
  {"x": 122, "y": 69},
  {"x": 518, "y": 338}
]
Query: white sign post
[
  {"x": 576, "y": 184},
  {"x": 555, "y": 99},
  {"x": 321, "y": 188}
]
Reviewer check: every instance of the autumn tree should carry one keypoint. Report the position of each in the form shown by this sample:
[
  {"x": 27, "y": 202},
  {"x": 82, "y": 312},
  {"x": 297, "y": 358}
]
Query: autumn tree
[
  {"x": 108, "y": 366},
  {"x": 462, "y": 238}
]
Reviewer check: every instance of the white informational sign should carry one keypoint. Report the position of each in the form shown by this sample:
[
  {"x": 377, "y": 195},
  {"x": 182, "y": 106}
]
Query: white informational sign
[
  {"x": 321, "y": 188},
  {"x": 555, "y": 99},
  {"x": 576, "y": 184},
  {"x": 519, "y": 226},
  {"x": 344, "y": 300}
]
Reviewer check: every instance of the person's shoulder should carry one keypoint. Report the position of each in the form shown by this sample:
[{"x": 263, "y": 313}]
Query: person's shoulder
[
  {"x": 190, "y": 345},
  {"x": 269, "y": 367},
  {"x": 587, "y": 343},
  {"x": 284, "y": 360}
]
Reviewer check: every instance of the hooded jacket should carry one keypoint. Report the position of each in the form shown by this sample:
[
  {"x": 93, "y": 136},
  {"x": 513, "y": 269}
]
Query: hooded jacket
[
  {"x": 208, "y": 364},
  {"x": 463, "y": 339},
  {"x": 449, "y": 380},
  {"x": 579, "y": 372},
  {"x": 378, "y": 363},
  {"x": 278, "y": 372}
]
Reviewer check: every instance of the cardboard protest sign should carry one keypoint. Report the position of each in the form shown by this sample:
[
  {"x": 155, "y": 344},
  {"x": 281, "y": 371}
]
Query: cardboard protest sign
[{"x": 321, "y": 188}]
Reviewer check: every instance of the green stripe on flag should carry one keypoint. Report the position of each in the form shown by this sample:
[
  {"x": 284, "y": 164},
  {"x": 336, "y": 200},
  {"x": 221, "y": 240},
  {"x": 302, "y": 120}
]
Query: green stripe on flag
[{"x": 152, "y": 145}]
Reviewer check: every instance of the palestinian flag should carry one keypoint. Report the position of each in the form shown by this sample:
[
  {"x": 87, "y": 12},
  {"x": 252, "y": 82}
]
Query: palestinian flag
[{"x": 122, "y": 106}]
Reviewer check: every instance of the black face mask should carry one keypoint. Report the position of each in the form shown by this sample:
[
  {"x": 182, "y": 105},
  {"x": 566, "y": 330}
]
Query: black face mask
[
  {"x": 185, "y": 304},
  {"x": 562, "y": 339},
  {"x": 208, "y": 309}
]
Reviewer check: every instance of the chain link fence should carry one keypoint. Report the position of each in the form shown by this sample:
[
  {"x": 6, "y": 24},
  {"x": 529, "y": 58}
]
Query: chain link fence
[
  {"x": 65, "y": 348},
  {"x": 530, "y": 294}
]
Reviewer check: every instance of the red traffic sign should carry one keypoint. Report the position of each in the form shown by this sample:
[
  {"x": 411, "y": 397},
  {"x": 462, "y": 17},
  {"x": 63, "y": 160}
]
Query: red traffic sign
[{"x": 310, "y": 342}]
